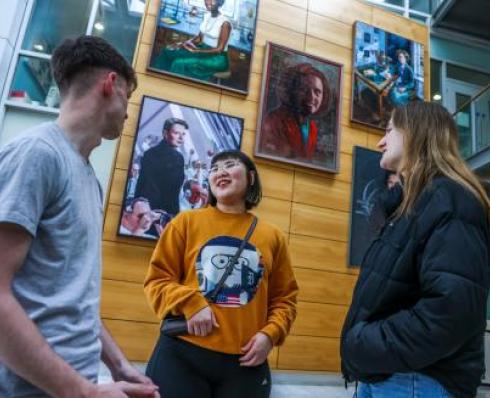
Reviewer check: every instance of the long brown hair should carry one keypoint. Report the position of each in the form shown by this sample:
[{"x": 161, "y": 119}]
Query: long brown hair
[{"x": 430, "y": 149}]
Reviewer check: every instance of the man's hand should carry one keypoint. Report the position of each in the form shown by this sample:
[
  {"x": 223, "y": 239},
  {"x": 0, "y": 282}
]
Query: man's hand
[
  {"x": 123, "y": 389},
  {"x": 128, "y": 379},
  {"x": 256, "y": 350},
  {"x": 128, "y": 372},
  {"x": 202, "y": 322}
]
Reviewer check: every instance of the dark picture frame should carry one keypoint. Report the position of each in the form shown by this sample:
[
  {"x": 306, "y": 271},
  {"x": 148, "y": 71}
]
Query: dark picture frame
[
  {"x": 387, "y": 71},
  {"x": 300, "y": 109},
  {"x": 167, "y": 173},
  {"x": 179, "y": 21},
  {"x": 367, "y": 216}
]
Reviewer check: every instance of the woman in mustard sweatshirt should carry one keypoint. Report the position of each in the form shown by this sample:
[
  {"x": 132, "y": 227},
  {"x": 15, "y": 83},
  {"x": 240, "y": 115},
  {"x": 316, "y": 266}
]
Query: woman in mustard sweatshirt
[{"x": 224, "y": 353}]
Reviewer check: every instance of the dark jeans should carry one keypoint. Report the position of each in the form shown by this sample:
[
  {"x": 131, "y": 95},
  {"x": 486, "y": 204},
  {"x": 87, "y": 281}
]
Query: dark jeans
[{"x": 183, "y": 370}]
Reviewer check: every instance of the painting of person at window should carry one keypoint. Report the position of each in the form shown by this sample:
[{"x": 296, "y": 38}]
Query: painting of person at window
[
  {"x": 289, "y": 130},
  {"x": 404, "y": 84},
  {"x": 206, "y": 53}
]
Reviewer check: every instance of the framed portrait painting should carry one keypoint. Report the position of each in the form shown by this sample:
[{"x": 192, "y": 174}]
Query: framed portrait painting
[
  {"x": 207, "y": 41},
  {"x": 169, "y": 165},
  {"x": 388, "y": 71},
  {"x": 371, "y": 188},
  {"x": 299, "y": 117}
]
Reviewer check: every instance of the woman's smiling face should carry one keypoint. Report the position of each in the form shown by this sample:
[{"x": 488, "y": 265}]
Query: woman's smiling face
[{"x": 229, "y": 180}]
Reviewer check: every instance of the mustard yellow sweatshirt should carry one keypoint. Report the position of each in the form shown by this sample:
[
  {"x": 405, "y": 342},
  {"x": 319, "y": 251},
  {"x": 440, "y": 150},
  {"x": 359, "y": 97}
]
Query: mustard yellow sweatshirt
[{"x": 191, "y": 256}]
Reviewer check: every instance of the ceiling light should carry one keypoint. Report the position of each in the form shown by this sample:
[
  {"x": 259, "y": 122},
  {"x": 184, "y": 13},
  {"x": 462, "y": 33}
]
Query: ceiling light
[
  {"x": 99, "y": 26},
  {"x": 437, "y": 97}
]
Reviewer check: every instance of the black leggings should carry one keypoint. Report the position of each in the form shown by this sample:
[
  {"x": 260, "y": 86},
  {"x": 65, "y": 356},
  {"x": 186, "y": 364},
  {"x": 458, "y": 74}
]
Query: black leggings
[{"x": 183, "y": 370}]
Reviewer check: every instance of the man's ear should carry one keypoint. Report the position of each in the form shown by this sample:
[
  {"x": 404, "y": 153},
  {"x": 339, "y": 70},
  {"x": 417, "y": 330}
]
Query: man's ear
[{"x": 109, "y": 83}]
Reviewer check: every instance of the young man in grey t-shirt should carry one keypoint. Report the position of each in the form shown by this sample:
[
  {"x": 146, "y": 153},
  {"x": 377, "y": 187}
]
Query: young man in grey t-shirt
[{"x": 51, "y": 335}]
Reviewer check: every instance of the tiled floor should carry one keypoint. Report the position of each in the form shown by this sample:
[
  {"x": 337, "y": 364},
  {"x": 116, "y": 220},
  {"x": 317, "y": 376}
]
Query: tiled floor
[{"x": 300, "y": 385}]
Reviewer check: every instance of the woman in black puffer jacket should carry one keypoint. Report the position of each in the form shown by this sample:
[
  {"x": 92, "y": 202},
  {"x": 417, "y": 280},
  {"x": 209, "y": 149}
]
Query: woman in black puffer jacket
[{"x": 417, "y": 318}]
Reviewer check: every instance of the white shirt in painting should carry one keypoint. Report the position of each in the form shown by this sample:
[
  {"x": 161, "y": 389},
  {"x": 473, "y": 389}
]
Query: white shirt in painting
[{"x": 211, "y": 28}]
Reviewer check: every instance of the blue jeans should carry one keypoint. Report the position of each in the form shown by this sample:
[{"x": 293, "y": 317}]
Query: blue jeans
[{"x": 404, "y": 385}]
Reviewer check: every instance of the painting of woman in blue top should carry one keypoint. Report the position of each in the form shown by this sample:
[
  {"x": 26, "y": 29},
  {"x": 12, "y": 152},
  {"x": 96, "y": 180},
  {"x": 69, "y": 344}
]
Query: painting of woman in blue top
[{"x": 404, "y": 84}]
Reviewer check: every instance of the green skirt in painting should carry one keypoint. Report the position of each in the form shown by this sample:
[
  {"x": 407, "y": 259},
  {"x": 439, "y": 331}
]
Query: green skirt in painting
[{"x": 199, "y": 66}]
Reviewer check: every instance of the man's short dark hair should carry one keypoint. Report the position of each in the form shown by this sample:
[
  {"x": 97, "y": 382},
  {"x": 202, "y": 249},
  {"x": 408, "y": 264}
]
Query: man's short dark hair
[
  {"x": 170, "y": 122},
  {"x": 81, "y": 56},
  {"x": 254, "y": 191}
]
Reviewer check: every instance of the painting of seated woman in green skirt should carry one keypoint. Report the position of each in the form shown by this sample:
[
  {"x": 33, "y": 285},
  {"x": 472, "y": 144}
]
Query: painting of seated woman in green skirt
[{"x": 209, "y": 41}]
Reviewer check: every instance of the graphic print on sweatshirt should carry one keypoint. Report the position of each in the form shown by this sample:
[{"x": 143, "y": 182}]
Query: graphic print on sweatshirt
[{"x": 241, "y": 285}]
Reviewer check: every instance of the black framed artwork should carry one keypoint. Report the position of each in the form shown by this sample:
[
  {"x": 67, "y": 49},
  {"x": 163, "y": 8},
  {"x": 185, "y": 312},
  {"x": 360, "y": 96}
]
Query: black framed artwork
[
  {"x": 209, "y": 42},
  {"x": 370, "y": 185},
  {"x": 168, "y": 170}
]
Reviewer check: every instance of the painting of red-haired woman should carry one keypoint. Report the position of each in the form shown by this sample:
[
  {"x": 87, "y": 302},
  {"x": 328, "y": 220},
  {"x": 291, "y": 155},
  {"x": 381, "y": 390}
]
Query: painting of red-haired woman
[{"x": 300, "y": 109}]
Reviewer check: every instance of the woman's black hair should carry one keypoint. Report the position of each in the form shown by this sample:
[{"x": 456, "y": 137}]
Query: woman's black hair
[{"x": 254, "y": 190}]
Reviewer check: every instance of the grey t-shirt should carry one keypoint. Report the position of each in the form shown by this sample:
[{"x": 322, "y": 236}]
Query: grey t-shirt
[{"x": 49, "y": 189}]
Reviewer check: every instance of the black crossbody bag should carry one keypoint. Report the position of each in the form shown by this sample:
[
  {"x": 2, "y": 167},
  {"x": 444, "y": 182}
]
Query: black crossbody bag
[{"x": 176, "y": 325}]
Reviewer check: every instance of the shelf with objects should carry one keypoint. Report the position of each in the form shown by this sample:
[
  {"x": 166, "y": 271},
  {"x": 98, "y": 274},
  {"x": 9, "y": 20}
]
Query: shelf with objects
[{"x": 32, "y": 85}]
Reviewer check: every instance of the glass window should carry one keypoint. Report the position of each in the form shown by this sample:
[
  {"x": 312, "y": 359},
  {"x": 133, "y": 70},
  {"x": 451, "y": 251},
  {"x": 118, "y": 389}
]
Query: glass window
[
  {"x": 33, "y": 83},
  {"x": 467, "y": 75},
  {"x": 463, "y": 122},
  {"x": 420, "y": 5},
  {"x": 419, "y": 18},
  {"x": 118, "y": 22},
  {"x": 435, "y": 81},
  {"x": 395, "y": 2},
  {"x": 54, "y": 20}
]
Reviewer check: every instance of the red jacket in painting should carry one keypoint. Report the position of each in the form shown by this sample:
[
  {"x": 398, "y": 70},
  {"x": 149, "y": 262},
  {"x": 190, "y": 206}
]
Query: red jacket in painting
[{"x": 281, "y": 136}]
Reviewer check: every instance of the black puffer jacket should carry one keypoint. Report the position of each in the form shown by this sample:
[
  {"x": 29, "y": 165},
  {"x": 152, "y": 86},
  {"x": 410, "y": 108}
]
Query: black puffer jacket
[{"x": 420, "y": 302}]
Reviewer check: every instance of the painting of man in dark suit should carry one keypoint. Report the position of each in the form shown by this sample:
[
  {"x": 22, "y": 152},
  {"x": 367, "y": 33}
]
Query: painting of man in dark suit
[{"x": 162, "y": 168}]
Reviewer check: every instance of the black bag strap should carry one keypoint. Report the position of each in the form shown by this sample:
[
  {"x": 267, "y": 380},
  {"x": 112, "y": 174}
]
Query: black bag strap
[{"x": 229, "y": 269}]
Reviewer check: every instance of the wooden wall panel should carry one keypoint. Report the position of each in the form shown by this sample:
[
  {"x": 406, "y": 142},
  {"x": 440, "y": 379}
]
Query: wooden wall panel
[
  {"x": 276, "y": 183},
  {"x": 116, "y": 196},
  {"x": 339, "y": 33},
  {"x": 282, "y": 14},
  {"x": 319, "y": 254},
  {"x": 319, "y": 222},
  {"x": 136, "y": 339},
  {"x": 125, "y": 262},
  {"x": 311, "y": 207},
  {"x": 321, "y": 191},
  {"x": 125, "y": 301},
  {"x": 309, "y": 353},
  {"x": 324, "y": 287},
  {"x": 341, "y": 10},
  {"x": 275, "y": 211},
  {"x": 319, "y": 320}
]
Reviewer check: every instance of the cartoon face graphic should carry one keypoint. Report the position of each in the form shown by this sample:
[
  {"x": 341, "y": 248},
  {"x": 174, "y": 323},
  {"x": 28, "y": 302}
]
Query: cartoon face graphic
[{"x": 241, "y": 285}]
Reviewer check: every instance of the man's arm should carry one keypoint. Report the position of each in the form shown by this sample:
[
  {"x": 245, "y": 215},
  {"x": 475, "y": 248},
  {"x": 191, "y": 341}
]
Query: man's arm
[
  {"x": 117, "y": 363},
  {"x": 22, "y": 347}
]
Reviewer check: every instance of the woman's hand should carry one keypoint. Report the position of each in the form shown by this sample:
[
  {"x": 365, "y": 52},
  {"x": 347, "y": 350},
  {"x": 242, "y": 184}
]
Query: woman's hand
[
  {"x": 256, "y": 350},
  {"x": 189, "y": 46},
  {"x": 202, "y": 322}
]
